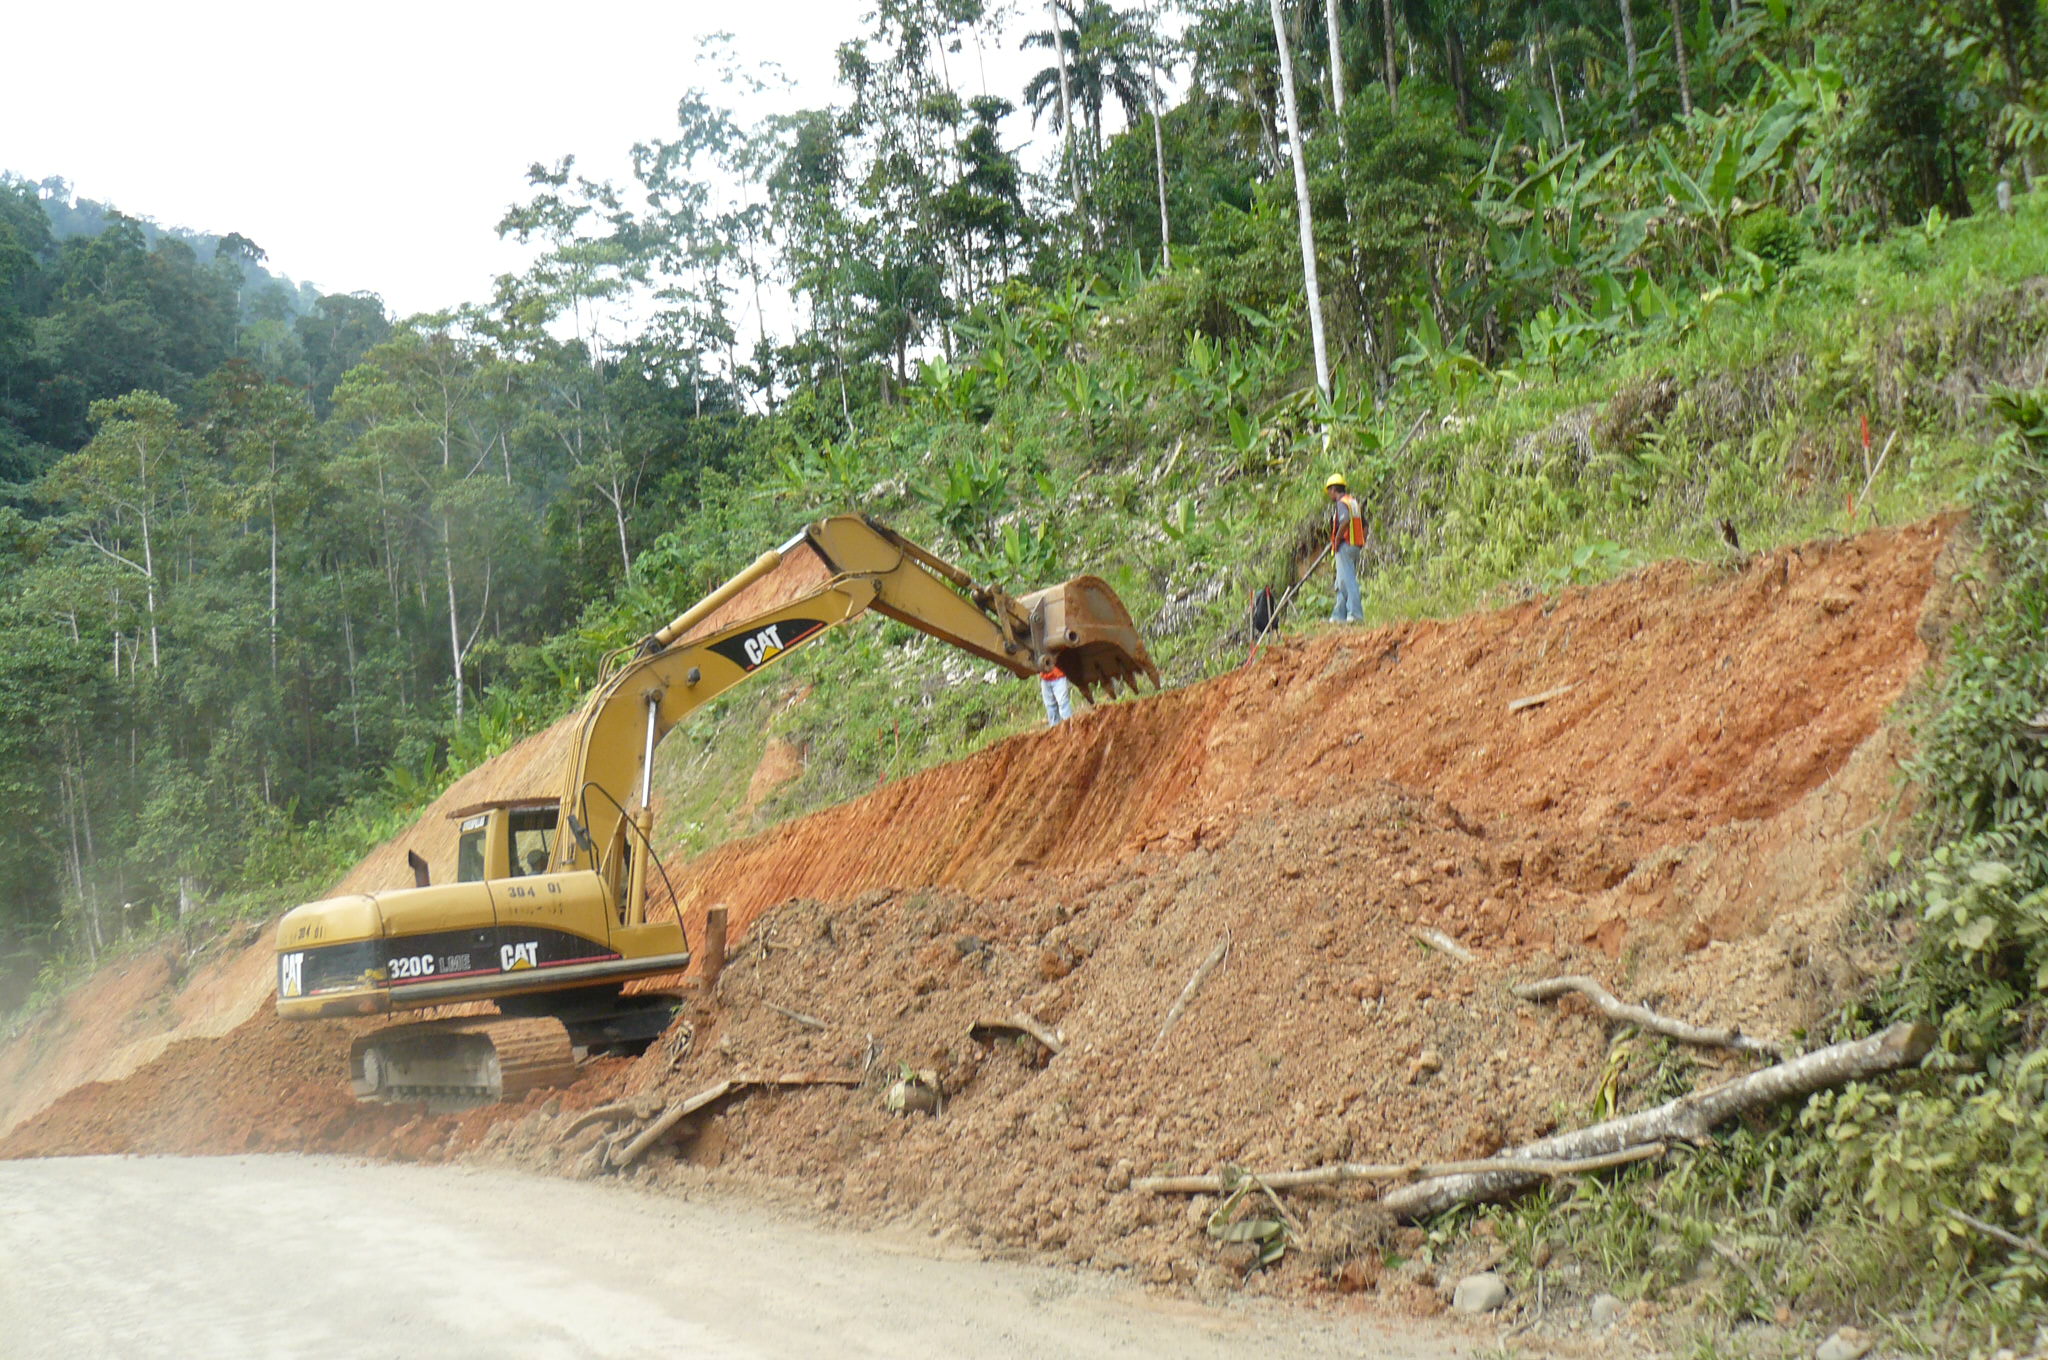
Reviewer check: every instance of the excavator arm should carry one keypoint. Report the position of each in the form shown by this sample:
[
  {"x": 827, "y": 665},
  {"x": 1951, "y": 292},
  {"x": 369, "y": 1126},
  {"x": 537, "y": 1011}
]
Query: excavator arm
[{"x": 1079, "y": 626}]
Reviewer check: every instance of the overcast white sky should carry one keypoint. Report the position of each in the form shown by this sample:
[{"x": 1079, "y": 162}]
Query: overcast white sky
[{"x": 374, "y": 145}]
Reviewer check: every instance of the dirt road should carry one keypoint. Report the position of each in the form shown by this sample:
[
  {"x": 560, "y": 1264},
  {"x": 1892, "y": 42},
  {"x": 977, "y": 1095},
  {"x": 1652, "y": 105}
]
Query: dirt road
[{"x": 322, "y": 1257}]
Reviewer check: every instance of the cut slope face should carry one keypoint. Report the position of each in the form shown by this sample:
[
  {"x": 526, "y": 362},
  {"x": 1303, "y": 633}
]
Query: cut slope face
[
  {"x": 1686, "y": 820},
  {"x": 1696, "y": 697}
]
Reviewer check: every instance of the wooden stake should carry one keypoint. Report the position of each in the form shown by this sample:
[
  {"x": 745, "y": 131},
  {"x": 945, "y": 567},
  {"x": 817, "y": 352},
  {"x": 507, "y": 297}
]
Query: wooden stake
[
  {"x": 714, "y": 949},
  {"x": 1643, "y": 1017}
]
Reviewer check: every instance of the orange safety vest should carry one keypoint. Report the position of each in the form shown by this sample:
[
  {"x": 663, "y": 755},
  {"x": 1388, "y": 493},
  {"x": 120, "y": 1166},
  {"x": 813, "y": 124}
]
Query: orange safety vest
[
  {"x": 1349, "y": 524},
  {"x": 1054, "y": 673}
]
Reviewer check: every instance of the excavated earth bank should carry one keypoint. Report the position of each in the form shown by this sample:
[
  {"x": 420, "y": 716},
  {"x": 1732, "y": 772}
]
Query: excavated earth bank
[{"x": 1685, "y": 816}]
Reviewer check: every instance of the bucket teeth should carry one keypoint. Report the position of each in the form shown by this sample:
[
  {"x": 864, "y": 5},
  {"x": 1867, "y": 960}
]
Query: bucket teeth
[{"x": 1085, "y": 629}]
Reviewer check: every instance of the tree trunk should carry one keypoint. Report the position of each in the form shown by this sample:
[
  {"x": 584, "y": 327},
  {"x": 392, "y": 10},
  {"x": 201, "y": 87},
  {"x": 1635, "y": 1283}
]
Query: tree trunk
[
  {"x": 1307, "y": 221},
  {"x": 1159, "y": 146},
  {"x": 355, "y": 724},
  {"x": 1556, "y": 90},
  {"x": 1688, "y": 1119},
  {"x": 454, "y": 623},
  {"x": 273, "y": 572},
  {"x": 1454, "y": 58},
  {"x": 1628, "y": 43},
  {"x": 1059, "y": 47},
  {"x": 1393, "y": 76},
  {"x": 1336, "y": 57},
  {"x": 1684, "y": 67}
]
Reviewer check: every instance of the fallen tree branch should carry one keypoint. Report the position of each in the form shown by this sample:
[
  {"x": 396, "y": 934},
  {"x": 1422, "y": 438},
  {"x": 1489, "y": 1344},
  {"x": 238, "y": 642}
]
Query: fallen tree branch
[
  {"x": 1642, "y": 1016},
  {"x": 1390, "y": 1171},
  {"x": 1187, "y": 993},
  {"x": 1533, "y": 700},
  {"x": 1688, "y": 1119},
  {"x": 618, "y": 1109},
  {"x": 807, "y": 1021},
  {"x": 689, "y": 1105},
  {"x": 1992, "y": 1230},
  {"x": 668, "y": 1119},
  {"x": 1443, "y": 943},
  {"x": 1021, "y": 1022}
]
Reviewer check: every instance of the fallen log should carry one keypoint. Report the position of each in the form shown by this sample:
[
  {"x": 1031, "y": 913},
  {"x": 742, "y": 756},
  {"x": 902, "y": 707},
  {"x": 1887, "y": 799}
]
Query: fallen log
[
  {"x": 1642, "y": 1017},
  {"x": 1388, "y": 1171},
  {"x": 1688, "y": 1119}
]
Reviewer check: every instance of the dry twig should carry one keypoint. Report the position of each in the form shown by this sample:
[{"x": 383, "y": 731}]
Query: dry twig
[
  {"x": 1444, "y": 944},
  {"x": 1023, "y": 1022},
  {"x": 1992, "y": 1230},
  {"x": 1187, "y": 993},
  {"x": 807, "y": 1021},
  {"x": 1393, "y": 1171},
  {"x": 1642, "y": 1016},
  {"x": 1533, "y": 700}
]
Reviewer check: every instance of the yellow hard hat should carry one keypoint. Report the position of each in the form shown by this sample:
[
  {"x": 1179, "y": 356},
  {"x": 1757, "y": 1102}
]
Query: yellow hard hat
[{"x": 1336, "y": 479}]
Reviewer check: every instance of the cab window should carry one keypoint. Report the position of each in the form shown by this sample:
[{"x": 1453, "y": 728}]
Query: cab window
[
  {"x": 533, "y": 841},
  {"x": 469, "y": 852}
]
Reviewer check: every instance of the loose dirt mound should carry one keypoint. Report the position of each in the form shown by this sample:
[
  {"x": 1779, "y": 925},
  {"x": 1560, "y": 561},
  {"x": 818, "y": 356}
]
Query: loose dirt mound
[{"x": 1686, "y": 820}]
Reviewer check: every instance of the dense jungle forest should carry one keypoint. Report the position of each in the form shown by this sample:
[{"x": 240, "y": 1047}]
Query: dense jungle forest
[{"x": 268, "y": 554}]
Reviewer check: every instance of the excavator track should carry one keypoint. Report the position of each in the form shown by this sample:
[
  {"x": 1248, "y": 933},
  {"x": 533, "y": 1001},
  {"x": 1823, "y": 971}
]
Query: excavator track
[{"x": 454, "y": 1064}]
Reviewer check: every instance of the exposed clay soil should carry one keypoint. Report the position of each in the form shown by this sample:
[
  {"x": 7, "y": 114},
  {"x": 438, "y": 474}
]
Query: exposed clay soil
[{"x": 1688, "y": 821}]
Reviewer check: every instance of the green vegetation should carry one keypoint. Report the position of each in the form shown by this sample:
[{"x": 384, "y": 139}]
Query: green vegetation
[{"x": 1603, "y": 283}]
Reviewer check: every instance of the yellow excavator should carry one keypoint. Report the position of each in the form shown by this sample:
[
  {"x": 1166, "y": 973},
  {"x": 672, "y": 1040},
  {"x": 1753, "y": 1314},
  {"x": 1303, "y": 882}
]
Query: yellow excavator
[{"x": 547, "y": 916}]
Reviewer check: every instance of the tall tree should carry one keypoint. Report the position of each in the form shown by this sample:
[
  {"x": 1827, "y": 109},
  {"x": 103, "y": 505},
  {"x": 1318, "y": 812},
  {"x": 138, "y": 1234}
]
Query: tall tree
[{"x": 1301, "y": 203}]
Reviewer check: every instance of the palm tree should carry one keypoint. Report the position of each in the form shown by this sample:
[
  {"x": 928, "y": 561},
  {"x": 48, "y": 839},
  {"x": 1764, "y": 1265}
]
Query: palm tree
[{"x": 1104, "y": 55}]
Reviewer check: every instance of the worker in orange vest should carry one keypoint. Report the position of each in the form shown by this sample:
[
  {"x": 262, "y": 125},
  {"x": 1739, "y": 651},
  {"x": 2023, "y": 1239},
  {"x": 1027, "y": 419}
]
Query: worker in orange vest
[
  {"x": 1347, "y": 537},
  {"x": 1059, "y": 702}
]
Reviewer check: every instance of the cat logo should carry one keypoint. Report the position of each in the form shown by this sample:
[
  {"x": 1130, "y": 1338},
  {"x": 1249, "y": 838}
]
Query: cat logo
[
  {"x": 763, "y": 646},
  {"x": 291, "y": 975},
  {"x": 755, "y": 649},
  {"x": 515, "y": 956}
]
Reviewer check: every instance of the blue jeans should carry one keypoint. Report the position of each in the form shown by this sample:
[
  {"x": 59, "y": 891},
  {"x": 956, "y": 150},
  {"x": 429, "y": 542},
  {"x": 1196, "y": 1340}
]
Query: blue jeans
[
  {"x": 1347, "y": 609},
  {"x": 1059, "y": 704}
]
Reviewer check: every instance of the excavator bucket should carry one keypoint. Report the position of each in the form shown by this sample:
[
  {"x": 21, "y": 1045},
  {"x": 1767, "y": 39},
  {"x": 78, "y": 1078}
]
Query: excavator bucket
[{"x": 1085, "y": 628}]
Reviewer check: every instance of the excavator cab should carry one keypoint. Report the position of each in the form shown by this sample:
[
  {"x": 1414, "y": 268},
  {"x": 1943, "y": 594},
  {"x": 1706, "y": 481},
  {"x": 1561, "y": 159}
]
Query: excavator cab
[{"x": 506, "y": 839}]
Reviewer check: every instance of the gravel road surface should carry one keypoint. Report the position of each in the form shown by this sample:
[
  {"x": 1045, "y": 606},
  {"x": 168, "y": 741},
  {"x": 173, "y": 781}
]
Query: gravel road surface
[{"x": 332, "y": 1259}]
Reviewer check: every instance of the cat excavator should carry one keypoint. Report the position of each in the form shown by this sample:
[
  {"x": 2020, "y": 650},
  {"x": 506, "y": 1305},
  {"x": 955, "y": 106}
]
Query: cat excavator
[{"x": 547, "y": 916}]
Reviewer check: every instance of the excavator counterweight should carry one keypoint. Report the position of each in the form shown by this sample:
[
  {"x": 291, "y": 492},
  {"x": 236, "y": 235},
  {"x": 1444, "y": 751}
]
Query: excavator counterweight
[{"x": 546, "y": 915}]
